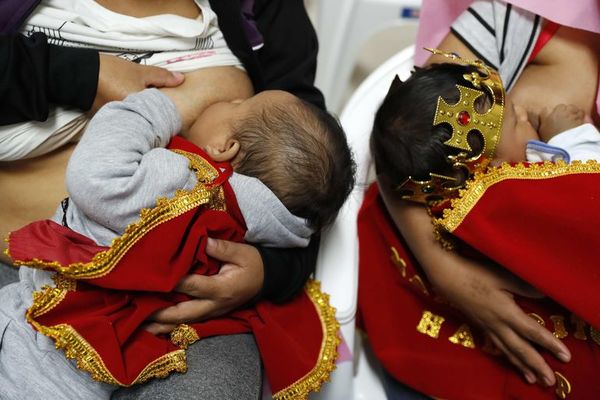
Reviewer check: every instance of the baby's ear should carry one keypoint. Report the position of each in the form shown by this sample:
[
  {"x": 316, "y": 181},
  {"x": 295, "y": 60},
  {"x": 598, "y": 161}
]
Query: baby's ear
[
  {"x": 226, "y": 152},
  {"x": 395, "y": 86}
]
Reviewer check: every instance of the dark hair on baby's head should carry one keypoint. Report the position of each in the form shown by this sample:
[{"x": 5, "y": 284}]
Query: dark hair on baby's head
[
  {"x": 404, "y": 141},
  {"x": 300, "y": 152}
]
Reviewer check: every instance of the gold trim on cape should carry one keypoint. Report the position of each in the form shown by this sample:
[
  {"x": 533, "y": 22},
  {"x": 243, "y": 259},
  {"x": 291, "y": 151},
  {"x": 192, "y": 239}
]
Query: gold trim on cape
[
  {"x": 166, "y": 209},
  {"x": 64, "y": 335},
  {"x": 475, "y": 189},
  {"x": 325, "y": 364}
]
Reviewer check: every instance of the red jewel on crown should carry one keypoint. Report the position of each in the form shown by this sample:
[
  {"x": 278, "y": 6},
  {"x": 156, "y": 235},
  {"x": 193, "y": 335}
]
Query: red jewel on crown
[{"x": 463, "y": 118}]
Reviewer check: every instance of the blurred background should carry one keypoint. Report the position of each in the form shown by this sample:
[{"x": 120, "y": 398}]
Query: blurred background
[{"x": 355, "y": 37}]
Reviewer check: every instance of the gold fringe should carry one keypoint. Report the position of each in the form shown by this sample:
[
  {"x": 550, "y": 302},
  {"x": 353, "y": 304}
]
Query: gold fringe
[
  {"x": 183, "y": 335},
  {"x": 76, "y": 347},
  {"x": 6, "y": 251},
  {"x": 174, "y": 361},
  {"x": 328, "y": 355},
  {"x": 476, "y": 187},
  {"x": 166, "y": 209}
]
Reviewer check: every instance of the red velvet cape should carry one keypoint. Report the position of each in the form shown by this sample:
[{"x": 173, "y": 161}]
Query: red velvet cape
[
  {"x": 103, "y": 295},
  {"x": 539, "y": 222}
]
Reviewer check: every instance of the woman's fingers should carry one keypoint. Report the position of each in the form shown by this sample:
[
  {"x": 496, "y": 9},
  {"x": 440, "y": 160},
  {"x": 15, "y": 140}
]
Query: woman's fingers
[
  {"x": 530, "y": 377},
  {"x": 231, "y": 252},
  {"x": 530, "y": 329},
  {"x": 527, "y": 355},
  {"x": 518, "y": 332},
  {"x": 187, "y": 311},
  {"x": 156, "y": 328},
  {"x": 199, "y": 286}
]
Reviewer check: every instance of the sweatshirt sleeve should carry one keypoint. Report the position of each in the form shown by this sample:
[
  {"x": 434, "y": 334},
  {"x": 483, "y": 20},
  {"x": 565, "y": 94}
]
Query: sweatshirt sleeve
[
  {"x": 121, "y": 166},
  {"x": 288, "y": 58},
  {"x": 287, "y": 270},
  {"x": 34, "y": 74},
  {"x": 581, "y": 143}
]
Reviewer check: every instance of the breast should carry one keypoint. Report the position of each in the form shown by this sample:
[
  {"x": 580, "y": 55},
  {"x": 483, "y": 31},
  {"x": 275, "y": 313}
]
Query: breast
[{"x": 147, "y": 8}]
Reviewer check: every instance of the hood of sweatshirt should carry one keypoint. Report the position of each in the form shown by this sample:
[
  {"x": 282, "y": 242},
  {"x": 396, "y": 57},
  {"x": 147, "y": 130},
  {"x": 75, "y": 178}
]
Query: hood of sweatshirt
[{"x": 268, "y": 221}]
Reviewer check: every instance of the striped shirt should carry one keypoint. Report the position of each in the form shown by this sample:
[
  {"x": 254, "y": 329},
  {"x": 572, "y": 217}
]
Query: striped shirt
[{"x": 499, "y": 34}]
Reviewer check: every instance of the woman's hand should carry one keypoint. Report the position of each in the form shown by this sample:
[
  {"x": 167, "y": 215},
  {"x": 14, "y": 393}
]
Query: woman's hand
[
  {"x": 481, "y": 292},
  {"x": 484, "y": 294},
  {"x": 118, "y": 77},
  {"x": 239, "y": 280}
]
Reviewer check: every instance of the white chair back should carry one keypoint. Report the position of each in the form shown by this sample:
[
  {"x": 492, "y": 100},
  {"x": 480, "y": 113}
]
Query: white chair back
[
  {"x": 343, "y": 27},
  {"x": 337, "y": 264}
]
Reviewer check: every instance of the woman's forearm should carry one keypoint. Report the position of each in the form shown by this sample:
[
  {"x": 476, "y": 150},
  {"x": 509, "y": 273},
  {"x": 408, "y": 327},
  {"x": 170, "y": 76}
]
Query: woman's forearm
[
  {"x": 414, "y": 224},
  {"x": 35, "y": 74},
  {"x": 287, "y": 270}
]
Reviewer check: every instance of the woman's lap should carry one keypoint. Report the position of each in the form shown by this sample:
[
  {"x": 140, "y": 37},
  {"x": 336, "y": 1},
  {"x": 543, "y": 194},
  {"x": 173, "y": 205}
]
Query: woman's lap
[{"x": 219, "y": 368}]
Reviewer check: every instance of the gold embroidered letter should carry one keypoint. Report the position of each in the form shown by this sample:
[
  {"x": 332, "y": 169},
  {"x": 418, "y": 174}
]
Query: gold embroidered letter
[
  {"x": 579, "y": 327},
  {"x": 559, "y": 326},
  {"x": 595, "y": 334},
  {"x": 418, "y": 282},
  {"x": 537, "y": 318},
  {"x": 563, "y": 387},
  {"x": 463, "y": 337},
  {"x": 398, "y": 261},
  {"x": 430, "y": 324}
]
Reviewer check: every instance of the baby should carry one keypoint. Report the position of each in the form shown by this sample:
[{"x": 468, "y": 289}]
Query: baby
[
  {"x": 297, "y": 150},
  {"x": 292, "y": 172},
  {"x": 513, "y": 225},
  {"x": 405, "y": 143}
]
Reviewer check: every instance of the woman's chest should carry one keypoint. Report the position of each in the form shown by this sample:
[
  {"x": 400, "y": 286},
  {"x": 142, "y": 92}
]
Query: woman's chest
[{"x": 146, "y": 8}]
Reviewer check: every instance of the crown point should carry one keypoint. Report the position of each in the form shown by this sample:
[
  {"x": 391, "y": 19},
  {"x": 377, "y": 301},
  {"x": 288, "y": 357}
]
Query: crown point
[{"x": 463, "y": 118}]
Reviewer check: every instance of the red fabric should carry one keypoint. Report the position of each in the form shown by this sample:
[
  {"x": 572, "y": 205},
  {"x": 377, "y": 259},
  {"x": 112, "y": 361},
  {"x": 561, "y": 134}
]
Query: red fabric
[
  {"x": 546, "y": 238},
  {"x": 108, "y": 312},
  {"x": 391, "y": 307}
]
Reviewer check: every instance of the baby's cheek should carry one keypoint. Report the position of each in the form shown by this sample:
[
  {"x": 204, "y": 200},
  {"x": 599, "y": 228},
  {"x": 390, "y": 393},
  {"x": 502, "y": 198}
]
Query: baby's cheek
[{"x": 193, "y": 135}]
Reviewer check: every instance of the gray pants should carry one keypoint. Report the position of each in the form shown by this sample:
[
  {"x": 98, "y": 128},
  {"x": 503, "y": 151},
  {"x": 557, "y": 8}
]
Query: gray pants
[{"x": 219, "y": 368}]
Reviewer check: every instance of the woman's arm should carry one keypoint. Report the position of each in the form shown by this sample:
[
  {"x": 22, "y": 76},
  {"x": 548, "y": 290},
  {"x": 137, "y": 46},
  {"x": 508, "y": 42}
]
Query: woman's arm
[
  {"x": 482, "y": 292},
  {"x": 34, "y": 74},
  {"x": 289, "y": 57},
  {"x": 552, "y": 77},
  {"x": 287, "y": 270},
  {"x": 565, "y": 71}
]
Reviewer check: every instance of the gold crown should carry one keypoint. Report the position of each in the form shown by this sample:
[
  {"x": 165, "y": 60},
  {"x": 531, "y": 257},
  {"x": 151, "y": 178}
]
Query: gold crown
[{"x": 462, "y": 118}]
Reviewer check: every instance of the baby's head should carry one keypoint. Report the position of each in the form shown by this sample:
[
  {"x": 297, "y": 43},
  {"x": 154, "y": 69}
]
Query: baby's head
[
  {"x": 406, "y": 143},
  {"x": 296, "y": 149}
]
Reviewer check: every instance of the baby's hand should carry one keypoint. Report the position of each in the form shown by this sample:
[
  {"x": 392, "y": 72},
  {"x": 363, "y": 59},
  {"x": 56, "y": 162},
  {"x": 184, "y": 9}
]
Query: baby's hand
[{"x": 562, "y": 118}]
